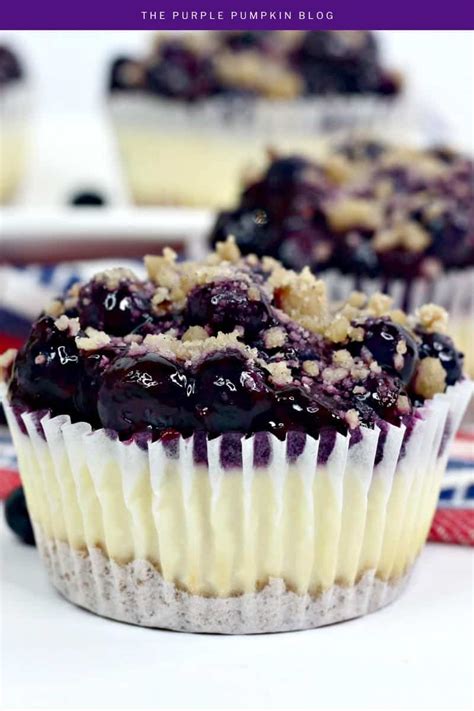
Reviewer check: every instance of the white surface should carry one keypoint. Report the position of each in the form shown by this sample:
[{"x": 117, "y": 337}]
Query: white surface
[
  {"x": 415, "y": 654},
  {"x": 73, "y": 147}
]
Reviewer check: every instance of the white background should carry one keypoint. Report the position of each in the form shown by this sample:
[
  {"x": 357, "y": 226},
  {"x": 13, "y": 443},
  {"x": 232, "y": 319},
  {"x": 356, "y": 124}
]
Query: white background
[
  {"x": 73, "y": 144},
  {"x": 414, "y": 654}
]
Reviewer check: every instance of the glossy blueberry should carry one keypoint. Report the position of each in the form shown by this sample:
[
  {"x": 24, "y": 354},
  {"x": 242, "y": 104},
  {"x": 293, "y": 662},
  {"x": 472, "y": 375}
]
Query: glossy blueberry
[
  {"x": 117, "y": 311},
  {"x": 249, "y": 227},
  {"x": 382, "y": 337},
  {"x": 148, "y": 392},
  {"x": 231, "y": 396},
  {"x": 224, "y": 305},
  {"x": 47, "y": 370},
  {"x": 18, "y": 518},
  {"x": 296, "y": 410},
  {"x": 438, "y": 345}
]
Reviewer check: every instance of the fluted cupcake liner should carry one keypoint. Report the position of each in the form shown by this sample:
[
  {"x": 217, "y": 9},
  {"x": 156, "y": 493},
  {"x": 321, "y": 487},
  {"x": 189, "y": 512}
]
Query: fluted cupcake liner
[
  {"x": 220, "y": 140},
  {"x": 234, "y": 534},
  {"x": 453, "y": 290}
]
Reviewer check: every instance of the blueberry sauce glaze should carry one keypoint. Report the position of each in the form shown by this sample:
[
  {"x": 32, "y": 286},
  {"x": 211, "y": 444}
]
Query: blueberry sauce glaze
[
  {"x": 232, "y": 346},
  {"x": 367, "y": 210},
  {"x": 192, "y": 67}
]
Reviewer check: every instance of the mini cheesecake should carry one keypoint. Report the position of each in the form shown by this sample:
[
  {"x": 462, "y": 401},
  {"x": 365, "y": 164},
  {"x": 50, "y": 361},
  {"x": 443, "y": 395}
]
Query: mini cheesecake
[
  {"x": 372, "y": 216},
  {"x": 219, "y": 448},
  {"x": 200, "y": 109}
]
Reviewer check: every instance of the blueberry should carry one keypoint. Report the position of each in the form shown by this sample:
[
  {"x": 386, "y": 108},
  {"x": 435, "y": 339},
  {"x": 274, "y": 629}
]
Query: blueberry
[
  {"x": 250, "y": 228},
  {"x": 382, "y": 338},
  {"x": 17, "y": 516},
  {"x": 125, "y": 74},
  {"x": 117, "y": 311},
  {"x": 87, "y": 198},
  {"x": 47, "y": 369},
  {"x": 331, "y": 62},
  {"x": 355, "y": 255},
  {"x": 10, "y": 68},
  {"x": 226, "y": 304},
  {"x": 437, "y": 345},
  {"x": 381, "y": 396},
  {"x": 231, "y": 395},
  {"x": 147, "y": 392},
  {"x": 180, "y": 73},
  {"x": 286, "y": 171},
  {"x": 295, "y": 410}
]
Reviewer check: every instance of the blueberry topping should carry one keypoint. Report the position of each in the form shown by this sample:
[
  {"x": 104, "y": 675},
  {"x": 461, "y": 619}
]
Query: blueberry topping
[
  {"x": 116, "y": 311},
  {"x": 404, "y": 215},
  {"x": 392, "y": 346},
  {"x": 226, "y": 305},
  {"x": 48, "y": 369},
  {"x": 18, "y": 518},
  {"x": 230, "y": 395},
  {"x": 146, "y": 393},
  {"x": 326, "y": 62},
  {"x": 224, "y": 348},
  {"x": 179, "y": 73}
]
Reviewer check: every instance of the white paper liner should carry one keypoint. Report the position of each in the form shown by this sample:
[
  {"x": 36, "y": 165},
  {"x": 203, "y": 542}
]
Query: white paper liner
[
  {"x": 312, "y": 115},
  {"x": 364, "y": 537},
  {"x": 453, "y": 290}
]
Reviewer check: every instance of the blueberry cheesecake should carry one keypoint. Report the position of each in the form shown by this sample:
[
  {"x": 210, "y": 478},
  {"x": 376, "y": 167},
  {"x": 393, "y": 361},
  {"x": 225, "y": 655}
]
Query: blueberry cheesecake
[
  {"x": 370, "y": 216},
  {"x": 219, "y": 448},
  {"x": 13, "y": 111},
  {"x": 201, "y": 108}
]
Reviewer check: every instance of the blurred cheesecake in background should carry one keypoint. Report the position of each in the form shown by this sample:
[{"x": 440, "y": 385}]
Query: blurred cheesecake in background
[
  {"x": 200, "y": 109},
  {"x": 13, "y": 112},
  {"x": 373, "y": 217}
]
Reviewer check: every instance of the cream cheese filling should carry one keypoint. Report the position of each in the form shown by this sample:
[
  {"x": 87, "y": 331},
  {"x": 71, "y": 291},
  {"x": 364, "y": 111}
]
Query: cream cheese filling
[{"x": 231, "y": 538}]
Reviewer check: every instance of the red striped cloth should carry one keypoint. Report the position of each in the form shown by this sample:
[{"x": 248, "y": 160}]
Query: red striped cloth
[{"x": 453, "y": 526}]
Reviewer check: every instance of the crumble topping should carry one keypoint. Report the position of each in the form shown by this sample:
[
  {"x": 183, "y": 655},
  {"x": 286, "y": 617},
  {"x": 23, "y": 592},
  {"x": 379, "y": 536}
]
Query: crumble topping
[
  {"x": 230, "y": 344},
  {"x": 366, "y": 208},
  {"x": 193, "y": 67},
  {"x": 430, "y": 378},
  {"x": 433, "y": 318},
  {"x": 93, "y": 340}
]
